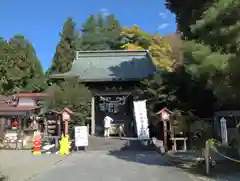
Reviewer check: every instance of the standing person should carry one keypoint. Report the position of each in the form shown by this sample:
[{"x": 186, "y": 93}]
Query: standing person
[{"x": 107, "y": 125}]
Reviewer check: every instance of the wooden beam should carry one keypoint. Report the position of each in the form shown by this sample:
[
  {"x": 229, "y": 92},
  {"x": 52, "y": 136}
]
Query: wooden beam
[{"x": 93, "y": 115}]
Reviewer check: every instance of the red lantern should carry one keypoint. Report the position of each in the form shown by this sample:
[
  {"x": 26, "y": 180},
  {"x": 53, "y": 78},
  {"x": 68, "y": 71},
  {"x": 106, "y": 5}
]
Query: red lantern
[{"x": 15, "y": 123}]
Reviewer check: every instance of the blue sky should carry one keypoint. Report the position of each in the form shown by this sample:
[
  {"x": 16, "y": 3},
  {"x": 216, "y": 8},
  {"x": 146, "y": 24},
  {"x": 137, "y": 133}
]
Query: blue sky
[{"x": 41, "y": 21}]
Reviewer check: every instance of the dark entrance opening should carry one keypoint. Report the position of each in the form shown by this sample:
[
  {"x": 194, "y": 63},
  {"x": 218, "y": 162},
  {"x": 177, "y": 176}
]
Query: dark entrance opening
[{"x": 119, "y": 108}]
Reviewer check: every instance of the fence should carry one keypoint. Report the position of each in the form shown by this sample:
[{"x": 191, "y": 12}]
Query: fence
[{"x": 209, "y": 147}]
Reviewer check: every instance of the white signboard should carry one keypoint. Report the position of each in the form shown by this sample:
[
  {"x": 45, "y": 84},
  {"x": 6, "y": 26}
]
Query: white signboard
[
  {"x": 81, "y": 136},
  {"x": 140, "y": 111},
  {"x": 224, "y": 133}
]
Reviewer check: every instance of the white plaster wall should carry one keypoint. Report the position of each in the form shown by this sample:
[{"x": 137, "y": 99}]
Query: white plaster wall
[{"x": 26, "y": 102}]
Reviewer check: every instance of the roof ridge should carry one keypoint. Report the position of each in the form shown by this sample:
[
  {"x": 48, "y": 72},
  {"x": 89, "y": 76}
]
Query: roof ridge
[
  {"x": 110, "y": 51},
  {"x": 102, "y": 53}
]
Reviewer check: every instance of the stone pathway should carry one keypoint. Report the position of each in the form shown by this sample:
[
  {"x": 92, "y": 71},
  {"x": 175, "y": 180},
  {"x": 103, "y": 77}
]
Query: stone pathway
[
  {"x": 114, "y": 166},
  {"x": 21, "y": 165}
]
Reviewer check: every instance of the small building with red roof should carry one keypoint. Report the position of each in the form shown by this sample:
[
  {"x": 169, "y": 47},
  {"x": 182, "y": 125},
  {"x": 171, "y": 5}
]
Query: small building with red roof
[{"x": 21, "y": 104}]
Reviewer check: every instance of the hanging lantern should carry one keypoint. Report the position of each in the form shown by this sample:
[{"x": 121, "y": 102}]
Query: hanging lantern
[{"x": 165, "y": 115}]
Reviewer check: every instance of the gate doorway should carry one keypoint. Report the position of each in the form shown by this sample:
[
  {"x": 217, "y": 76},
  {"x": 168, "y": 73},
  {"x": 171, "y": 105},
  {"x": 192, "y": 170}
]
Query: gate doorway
[{"x": 119, "y": 108}]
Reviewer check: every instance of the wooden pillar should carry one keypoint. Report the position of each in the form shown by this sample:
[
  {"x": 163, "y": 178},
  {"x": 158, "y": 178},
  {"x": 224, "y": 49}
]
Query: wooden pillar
[
  {"x": 165, "y": 133},
  {"x": 45, "y": 126},
  {"x": 19, "y": 132},
  {"x": 58, "y": 127},
  {"x": 66, "y": 127},
  {"x": 2, "y": 130},
  {"x": 93, "y": 115}
]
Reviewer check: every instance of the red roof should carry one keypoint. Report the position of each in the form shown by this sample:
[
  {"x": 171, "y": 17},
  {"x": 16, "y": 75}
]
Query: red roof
[
  {"x": 163, "y": 110},
  {"x": 8, "y": 105},
  {"x": 69, "y": 111},
  {"x": 40, "y": 94}
]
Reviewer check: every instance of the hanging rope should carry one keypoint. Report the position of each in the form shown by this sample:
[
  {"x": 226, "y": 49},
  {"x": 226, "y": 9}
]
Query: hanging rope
[{"x": 225, "y": 156}]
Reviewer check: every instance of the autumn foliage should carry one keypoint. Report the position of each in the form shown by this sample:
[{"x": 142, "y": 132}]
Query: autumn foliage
[{"x": 159, "y": 48}]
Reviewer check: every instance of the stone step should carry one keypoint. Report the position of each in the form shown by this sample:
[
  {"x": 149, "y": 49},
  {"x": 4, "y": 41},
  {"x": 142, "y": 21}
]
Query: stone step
[{"x": 100, "y": 143}]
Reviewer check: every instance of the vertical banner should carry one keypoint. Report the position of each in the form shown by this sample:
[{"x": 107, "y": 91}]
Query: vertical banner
[
  {"x": 140, "y": 113},
  {"x": 224, "y": 133}
]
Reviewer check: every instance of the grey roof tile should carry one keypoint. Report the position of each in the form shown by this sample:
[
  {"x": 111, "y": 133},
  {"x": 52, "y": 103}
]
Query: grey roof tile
[{"x": 111, "y": 65}]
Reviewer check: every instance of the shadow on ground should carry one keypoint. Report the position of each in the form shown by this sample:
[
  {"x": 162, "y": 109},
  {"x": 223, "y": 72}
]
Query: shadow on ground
[
  {"x": 224, "y": 167},
  {"x": 137, "y": 152},
  {"x": 149, "y": 155}
]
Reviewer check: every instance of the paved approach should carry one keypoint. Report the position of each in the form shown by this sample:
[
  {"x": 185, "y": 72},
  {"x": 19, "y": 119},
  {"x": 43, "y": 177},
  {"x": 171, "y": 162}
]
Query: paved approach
[{"x": 113, "y": 166}]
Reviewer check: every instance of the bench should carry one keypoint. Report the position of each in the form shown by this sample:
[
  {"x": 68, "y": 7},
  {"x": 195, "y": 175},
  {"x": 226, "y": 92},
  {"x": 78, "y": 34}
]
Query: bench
[{"x": 184, "y": 139}]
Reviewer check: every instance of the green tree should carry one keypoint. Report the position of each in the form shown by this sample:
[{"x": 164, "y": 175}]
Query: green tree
[
  {"x": 19, "y": 65},
  {"x": 213, "y": 22},
  {"x": 73, "y": 95},
  {"x": 112, "y": 30},
  {"x": 179, "y": 90},
  {"x": 100, "y": 33},
  {"x": 187, "y": 13},
  {"x": 214, "y": 28},
  {"x": 65, "y": 50}
]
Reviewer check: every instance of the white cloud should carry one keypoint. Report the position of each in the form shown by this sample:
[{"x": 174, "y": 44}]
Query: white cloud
[
  {"x": 104, "y": 11},
  {"x": 163, "y": 26},
  {"x": 163, "y": 15}
]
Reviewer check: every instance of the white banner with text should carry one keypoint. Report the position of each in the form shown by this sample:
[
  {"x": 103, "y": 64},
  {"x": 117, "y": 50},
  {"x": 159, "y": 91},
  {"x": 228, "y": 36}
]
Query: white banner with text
[{"x": 140, "y": 113}]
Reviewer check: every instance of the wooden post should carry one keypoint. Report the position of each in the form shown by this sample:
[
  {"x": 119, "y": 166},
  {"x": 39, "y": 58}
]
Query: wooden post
[
  {"x": 2, "y": 130},
  {"x": 185, "y": 144},
  {"x": 58, "y": 127},
  {"x": 66, "y": 127},
  {"x": 207, "y": 157},
  {"x": 19, "y": 131},
  {"x": 45, "y": 126},
  {"x": 165, "y": 134},
  {"x": 93, "y": 116},
  {"x": 174, "y": 145}
]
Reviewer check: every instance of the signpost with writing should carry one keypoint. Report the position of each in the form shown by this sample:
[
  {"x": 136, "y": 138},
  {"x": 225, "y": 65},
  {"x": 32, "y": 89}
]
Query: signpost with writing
[{"x": 81, "y": 136}]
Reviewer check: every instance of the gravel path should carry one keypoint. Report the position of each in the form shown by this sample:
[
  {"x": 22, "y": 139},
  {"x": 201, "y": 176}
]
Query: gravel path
[{"x": 113, "y": 166}]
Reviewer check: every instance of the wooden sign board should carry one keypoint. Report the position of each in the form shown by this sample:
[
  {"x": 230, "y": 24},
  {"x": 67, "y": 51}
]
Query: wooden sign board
[{"x": 65, "y": 116}]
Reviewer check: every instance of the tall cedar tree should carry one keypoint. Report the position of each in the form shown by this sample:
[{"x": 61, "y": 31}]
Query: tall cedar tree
[
  {"x": 65, "y": 50},
  {"x": 19, "y": 65},
  {"x": 69, "y": 92},
  {"x": 100, "y": 33}
]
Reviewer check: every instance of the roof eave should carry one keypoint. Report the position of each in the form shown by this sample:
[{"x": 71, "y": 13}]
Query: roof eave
[
  {"x": 112, "y": 80},
  {"x": 64, "y": 75}
]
